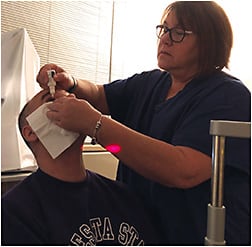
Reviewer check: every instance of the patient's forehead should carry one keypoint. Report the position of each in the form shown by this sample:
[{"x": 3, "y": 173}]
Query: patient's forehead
[{"x": 40, "y": 98}]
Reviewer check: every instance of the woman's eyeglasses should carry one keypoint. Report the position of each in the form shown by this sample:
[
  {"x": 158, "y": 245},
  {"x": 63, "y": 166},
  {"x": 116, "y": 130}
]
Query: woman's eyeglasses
[{"x": 176, "y": 34}]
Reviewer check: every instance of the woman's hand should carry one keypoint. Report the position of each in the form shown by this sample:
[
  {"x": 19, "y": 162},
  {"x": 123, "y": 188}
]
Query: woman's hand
[
  {"x": 62, "y": 78},
  {"x": 73, "y": 114}
]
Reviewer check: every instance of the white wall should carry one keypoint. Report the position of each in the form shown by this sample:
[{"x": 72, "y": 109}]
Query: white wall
[{"x": 239, "y": 13}]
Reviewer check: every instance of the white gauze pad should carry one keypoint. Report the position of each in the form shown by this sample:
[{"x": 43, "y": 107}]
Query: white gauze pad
[{"x": 55, "y": 139}]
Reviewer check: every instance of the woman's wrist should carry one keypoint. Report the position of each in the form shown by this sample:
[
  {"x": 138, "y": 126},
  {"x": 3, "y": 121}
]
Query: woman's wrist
[
  {"x": 75, "y": 84},
  {"x": 94, "y": 139}
]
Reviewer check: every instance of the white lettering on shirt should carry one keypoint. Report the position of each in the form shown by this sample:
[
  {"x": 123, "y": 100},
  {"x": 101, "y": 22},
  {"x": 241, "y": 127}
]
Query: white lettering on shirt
[{"x": 100, "y": 230}]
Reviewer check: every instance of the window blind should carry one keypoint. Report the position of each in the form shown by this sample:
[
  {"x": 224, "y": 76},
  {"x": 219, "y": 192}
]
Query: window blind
[{"x": 73, "y": 34}]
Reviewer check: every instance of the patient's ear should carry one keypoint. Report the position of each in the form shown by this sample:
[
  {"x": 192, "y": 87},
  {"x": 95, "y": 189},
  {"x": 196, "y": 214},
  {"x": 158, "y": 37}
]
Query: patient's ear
[{"x": 28, "y": 134}]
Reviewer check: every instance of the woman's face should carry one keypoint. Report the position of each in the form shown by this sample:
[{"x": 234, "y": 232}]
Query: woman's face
[{"x": 177, "y": 57}]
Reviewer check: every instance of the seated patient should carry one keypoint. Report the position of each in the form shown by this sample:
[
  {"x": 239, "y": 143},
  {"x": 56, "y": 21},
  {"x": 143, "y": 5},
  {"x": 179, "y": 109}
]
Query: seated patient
[{"x": 62, "y": 203}]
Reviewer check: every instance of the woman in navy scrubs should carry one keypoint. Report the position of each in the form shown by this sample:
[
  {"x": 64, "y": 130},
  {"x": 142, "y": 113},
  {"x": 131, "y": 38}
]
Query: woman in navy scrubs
[{"x": 160, "y": 123}]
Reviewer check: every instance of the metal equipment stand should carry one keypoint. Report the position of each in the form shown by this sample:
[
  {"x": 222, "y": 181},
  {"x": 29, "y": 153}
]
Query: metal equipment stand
[{"x": 216, "y": 210}]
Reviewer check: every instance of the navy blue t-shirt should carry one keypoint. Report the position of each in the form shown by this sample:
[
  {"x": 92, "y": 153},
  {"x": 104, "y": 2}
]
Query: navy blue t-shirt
[
  {"x": 140, "y": 103},
  {"x": 42, "y": 210}
]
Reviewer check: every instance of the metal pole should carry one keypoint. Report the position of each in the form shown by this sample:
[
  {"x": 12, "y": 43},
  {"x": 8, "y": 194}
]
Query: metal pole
[
  {"x": 220, "y": 129},
  {"x": 218, "y": 170},
  {"x": 216, "y": 210}
]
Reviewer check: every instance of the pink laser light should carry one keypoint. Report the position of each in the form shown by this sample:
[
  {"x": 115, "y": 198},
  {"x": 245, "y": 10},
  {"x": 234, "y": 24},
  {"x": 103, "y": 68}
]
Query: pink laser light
[{"x": 113, "y": 148}]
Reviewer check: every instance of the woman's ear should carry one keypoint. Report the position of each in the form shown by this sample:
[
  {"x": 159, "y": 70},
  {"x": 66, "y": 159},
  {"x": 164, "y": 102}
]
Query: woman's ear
[{"x": 28, "y": 134}]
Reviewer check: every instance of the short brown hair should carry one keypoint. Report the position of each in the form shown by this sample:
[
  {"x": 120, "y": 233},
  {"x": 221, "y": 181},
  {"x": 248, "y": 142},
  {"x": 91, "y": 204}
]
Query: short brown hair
[{"x": 211, "y": 25}]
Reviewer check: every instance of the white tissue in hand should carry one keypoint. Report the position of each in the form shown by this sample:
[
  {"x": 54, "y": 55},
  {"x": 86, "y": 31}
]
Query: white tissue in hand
[{"x": 55, "y": 139}]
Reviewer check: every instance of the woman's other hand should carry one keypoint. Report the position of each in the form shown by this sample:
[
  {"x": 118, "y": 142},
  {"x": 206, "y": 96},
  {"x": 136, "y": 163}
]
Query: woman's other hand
[{"x": 73, "y": 114}]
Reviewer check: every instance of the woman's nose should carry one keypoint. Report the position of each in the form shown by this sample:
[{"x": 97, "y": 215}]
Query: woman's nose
[{"x": 166, "y": 38}]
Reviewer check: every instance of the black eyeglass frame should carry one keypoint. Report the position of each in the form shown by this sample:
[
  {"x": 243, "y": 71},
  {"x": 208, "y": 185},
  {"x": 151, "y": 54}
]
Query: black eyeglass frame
[{"x": 171, "y": 30}]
